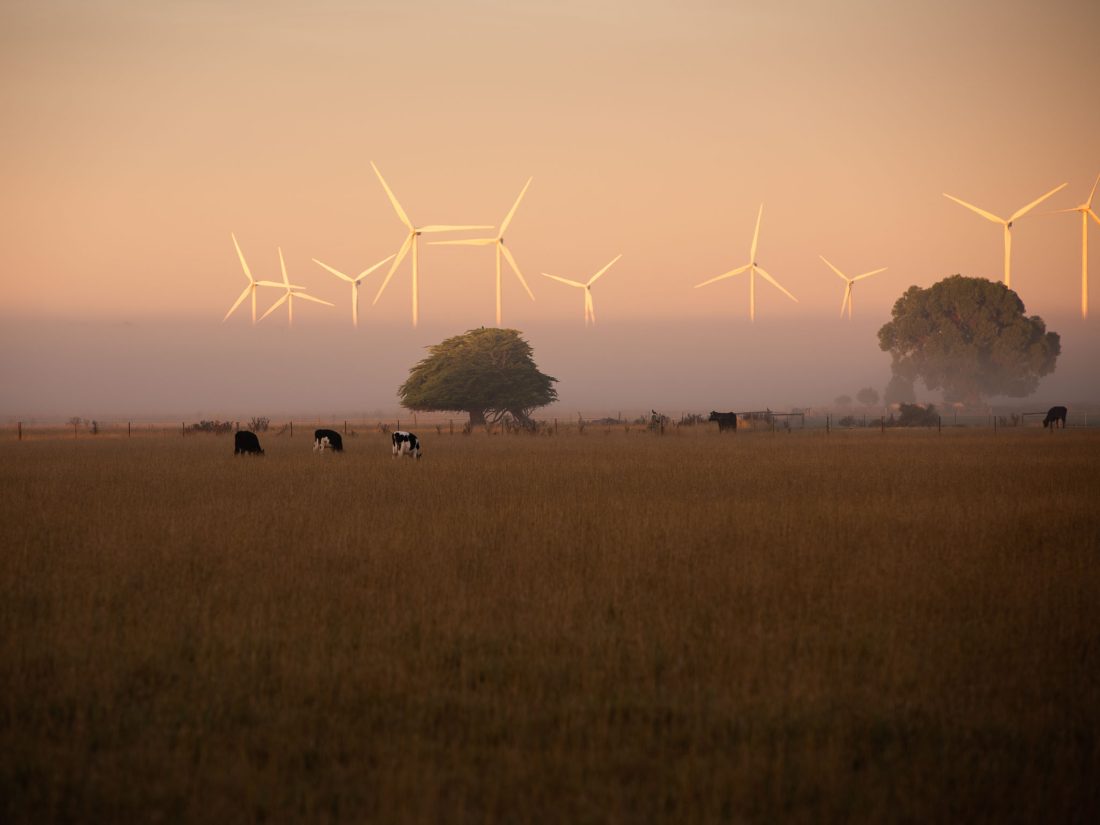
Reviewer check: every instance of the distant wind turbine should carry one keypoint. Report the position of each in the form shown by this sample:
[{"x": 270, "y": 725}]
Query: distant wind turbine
[
  {"x": 498, "y": 241},
  {"x": 589, "y": 306},
  {"x": 1086, "y": 211},
  {"x": 292, "y": 291},
  {"x": 411, "y": 241},
  {"x": 752, "y": 268},
  {"x": 249, "y": 290},
  {"x": 849, "y": 281},
  {"x": 354, "y": 284},
  {"x": 1006, "y": 223}
]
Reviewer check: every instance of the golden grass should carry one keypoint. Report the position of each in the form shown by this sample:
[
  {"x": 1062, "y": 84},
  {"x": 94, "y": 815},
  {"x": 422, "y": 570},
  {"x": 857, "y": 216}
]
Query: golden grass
[{"x": 604, "y": 627}]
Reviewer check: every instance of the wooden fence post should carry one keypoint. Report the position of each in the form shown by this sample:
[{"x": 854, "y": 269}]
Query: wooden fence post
[
  {"x": 826, "y": 423},
  {"x": 451, "y": 425},
  {"x": 345, "y": 426},
  {"x": 20, "y": 430},
  {"x": 127, "y": 429},
  {"x": 292, "y": 429},
  {"x": 882, "y": 420}
]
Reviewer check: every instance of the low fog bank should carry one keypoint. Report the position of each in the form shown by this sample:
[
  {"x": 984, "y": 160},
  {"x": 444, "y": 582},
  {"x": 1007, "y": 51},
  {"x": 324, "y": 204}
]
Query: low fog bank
[{"x": 176, "y": 370}]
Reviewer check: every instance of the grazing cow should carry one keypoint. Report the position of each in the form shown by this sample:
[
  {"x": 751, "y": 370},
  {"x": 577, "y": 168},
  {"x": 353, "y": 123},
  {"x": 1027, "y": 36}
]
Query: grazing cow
[
  {"x": 1054, "y": 415},
  {"x": 405, "y": 444},
  {"x": 726, "y": 421},
  {"x": 245, "y": 441},
  {"x": 328, "y": 440}
]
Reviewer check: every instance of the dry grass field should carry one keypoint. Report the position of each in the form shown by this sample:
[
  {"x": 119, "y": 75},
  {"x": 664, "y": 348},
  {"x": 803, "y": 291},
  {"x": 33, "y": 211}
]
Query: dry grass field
[{"x": 583, "y": 628}]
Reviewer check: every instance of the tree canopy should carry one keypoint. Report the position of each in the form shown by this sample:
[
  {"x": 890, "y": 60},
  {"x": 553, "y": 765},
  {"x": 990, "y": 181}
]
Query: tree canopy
[
  {"x": 486, "y": 372},
  {"x": 969, "y": 337}
]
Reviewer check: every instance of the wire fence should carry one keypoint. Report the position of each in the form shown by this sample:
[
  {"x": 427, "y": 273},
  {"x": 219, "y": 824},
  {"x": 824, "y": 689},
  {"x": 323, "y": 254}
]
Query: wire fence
[{"x": 441, "y": 424}]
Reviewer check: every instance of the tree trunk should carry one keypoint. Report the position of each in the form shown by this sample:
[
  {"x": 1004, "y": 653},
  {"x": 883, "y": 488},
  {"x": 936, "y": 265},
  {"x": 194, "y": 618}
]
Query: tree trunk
[{"x": 477, "y": 418}]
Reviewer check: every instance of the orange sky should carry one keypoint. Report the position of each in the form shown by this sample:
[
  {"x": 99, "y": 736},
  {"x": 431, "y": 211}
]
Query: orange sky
[{"x": 138, "y": 135}]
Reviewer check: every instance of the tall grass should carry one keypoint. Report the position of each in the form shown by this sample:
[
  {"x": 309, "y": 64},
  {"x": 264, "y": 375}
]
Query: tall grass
[{"x": 604, "y": 627}]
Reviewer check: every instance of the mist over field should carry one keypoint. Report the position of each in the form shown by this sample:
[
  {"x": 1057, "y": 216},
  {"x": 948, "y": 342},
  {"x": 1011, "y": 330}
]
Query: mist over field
[{"x": 134, "y": 369}]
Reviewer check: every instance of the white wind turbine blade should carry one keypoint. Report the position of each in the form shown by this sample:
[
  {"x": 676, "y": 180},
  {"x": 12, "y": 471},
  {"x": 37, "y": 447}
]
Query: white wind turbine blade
[
  {"x": 775, "y": 283},
  {"x": 987, "y": 215},
  {"x": 276, "y": 305},
  {"x": 564, "y": 280},
  {"x": 244, "y": 263},
  {"x": 756, "y": 235},
  {"x": 393, "y": 199},
  {"x": 401, "y": 253},
  {"x": 515, "y": 268},
  {"x": 729, "y": 274},
  {"x": 335, "y": 272},
  {"x": 595, "y": 277},
  {"x": 1019, "y": 213},
  {"x": 869, "y": 274},
  {"x": 590, "y": 305},
  {"x": 436, "y": 227},
  {"x": 1095, "y": 217},
  {"x": 512, "y": 211},
  {"x": 844, "y": 300},
  {"x": 467, "y": 242},
  {"x": 1088, "y": 203},
  {"x": 279, "y": 284},
  {"x": 282, "y": 263},
  {"x": 307, "y": 297},
  {"x": 248, "y": 289},
  {"x": 371, "y": 269},
  {"x": 834, "y": 269}
]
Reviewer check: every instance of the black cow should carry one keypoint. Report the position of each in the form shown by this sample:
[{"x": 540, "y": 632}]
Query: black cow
[
  {"x": 1054, "y": 415},
  {"x": 405, "y": 444},
  {"x": 328, "y": 439},
  {"x": 245, "y": 441},
  {"x": 726, "y": 421}
]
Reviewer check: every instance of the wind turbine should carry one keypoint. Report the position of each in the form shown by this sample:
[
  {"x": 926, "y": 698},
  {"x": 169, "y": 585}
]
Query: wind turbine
[
  {"x": 1086, "y": 210},
  {"x": 848, "y": 289},
  {"x": 498, "y": 241},
  {"x": 410, "y": 240},
  {"x": 252, "y": 284},
  {"x": 1006, "y": 223},
  {"x": 290, "y": 295},
  {"x": 354, "y": 284},
  {"x": 589, "y": 307},
  {"x": 752, "y": 269}
]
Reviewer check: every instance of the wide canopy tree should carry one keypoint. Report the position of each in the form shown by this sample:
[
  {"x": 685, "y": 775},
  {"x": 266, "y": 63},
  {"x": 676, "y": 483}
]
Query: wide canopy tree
[
  {"x": 488, "y": 373},
  {"x": 969, "y": 337}
]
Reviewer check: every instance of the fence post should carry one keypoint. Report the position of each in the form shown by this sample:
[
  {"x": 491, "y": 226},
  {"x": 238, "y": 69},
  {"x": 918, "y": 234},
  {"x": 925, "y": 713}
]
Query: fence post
[
  {"x": 939, "y": 424},
  {"x": 292, "y": 429},
  {"x": 183, "y": 428},
  {"x": 20, "y": 430},
  {"x": 345, "y": 426},
  {"x": 127, "y": 429},
  {"x": 451, "y": 425},
  {"x": 826, "y": 423},
  {"x": 994, "y": 425},
  {"x": 882, "y": 423}
]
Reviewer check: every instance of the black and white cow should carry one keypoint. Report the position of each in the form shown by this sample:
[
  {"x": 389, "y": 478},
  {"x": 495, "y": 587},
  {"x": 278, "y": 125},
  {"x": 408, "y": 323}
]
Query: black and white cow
[
  {"x": 1054, "y": 415},
  {"x": 405, "y": 444},
  {"x": 726, "y": 421},
  {"x": 327, "y": 440},
  {"x": 245, "y": 441}
]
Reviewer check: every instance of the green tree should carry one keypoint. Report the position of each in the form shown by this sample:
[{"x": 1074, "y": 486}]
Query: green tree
[
  {"x": 970, "y": 338},
  {"x": 868, "y": 396},
  {"x": 488, "y": 373}
]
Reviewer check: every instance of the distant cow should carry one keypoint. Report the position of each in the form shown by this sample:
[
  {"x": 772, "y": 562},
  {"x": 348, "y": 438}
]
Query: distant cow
[
  {"x": 405, "y": 444},
  {"x": 726, "y": 421},
  {"x": 1054, "y": 415},
  {"x": 328, "y": 440},
  {"x": 245, "y": 441}
]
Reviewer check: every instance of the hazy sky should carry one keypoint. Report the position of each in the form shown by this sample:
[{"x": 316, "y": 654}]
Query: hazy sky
[{"x": 136, "y": 136}]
